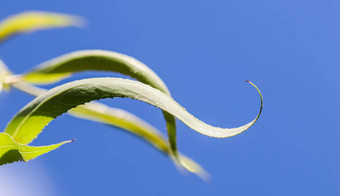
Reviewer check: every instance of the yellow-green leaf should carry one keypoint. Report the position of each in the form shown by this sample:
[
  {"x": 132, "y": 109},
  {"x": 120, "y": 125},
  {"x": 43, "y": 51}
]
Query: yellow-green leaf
[
  {"x": 29, "y": 122},
  {"x": 11, "y": 151},
  {"x": 102, "y": 113},
  {"x": 100, "y": 60},
  {"x": 35, "y": 20},
  {"x": 64, "y": 66},
  {"x": 120, "y": 118}
]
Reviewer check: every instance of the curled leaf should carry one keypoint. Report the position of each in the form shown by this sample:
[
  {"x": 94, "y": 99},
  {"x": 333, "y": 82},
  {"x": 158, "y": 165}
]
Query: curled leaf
[
  {"x": 120, "y": 118},
  {"x": 102, "y": 113},
  {"x": 116, "y": 117},
  {"x": 11, "y": 151},
  {"x": 29, "y": 122},
  {"x": 93, "y": 60},
  {"x": 35, "y": 20},
  {"x": 100, "y": 60}
]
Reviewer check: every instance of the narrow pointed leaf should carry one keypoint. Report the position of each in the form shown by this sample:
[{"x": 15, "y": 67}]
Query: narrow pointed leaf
[
  {"x": 11, "y": 151},
  {"x": 102, "y": 113},
  {"x": 93, "y": 60},
  {"x": 29, "y": 122},
  {"x": 35, "y": 20},
  {"x": 116, "y": 117},
  {"x": 100, "y": 60},
  {"x": 120, "y": 118}
]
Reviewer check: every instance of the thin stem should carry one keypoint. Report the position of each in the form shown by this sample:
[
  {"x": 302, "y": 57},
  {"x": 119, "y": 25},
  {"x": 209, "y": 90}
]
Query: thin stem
[{"x": 28, "y": 88}]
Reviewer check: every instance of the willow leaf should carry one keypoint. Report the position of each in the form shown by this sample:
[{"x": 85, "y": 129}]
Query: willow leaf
[
  {"x": 100, "y": 60},
  {"x": 102, "y": 113},
  {"x": 116, "y": 117},
  {"x": 11, "y": 151},
  {"x": 29, "y": 122},
  {"x": 34, "y": 20},
  {"x": 93, "y": 60},
  {"x": 120, "y": 118}
]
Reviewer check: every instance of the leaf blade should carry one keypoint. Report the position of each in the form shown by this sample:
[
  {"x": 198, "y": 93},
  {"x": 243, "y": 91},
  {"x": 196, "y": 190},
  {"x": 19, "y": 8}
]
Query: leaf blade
[
  {"x": 11, "y": 151},
  {"x": 101, "y": 113},
  {"x": 99, "y": 60},
  {"x": 66, "y": 65},
  {"x": 60, "y": 99},
  {"x": 35, "y": 20}
]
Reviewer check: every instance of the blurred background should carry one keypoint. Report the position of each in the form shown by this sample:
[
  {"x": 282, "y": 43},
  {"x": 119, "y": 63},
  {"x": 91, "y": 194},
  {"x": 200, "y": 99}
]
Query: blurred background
[{"x": 203, "y": 51}]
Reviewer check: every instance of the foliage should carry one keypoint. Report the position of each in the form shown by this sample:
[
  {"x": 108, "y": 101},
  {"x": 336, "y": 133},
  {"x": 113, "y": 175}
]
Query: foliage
[{"x": 77, "y": 97}]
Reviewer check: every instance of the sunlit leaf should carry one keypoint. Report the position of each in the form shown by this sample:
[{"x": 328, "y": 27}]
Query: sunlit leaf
[
  {"x": 29, "y": 122},
  {"x": 102, "y": 113},
  {"x": 99, "y": 60},
  {"x": 35, "y": 20},
  {"x": 93, "y": 60},
  {"x": 11, "y": 151},
  {"x": 120, "y": 118},
  {"x": 116, "y": 117}
]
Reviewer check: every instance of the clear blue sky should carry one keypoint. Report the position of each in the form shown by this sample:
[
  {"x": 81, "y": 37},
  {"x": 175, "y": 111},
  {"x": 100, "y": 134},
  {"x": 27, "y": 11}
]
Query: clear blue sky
[{"x": 203, "y": 50}]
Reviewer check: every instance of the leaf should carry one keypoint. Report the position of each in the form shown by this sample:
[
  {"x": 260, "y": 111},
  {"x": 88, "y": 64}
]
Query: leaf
[
  {"x": 193, "y": 167},
  {"x": 100, "y": 60},
  {"x": 119, "y": 118},
  {"x": 116, "y": 117},
  {"x": 93, "y": 60},
  {"x": 35, "y": 20},
  {"x": 11, "y": 151},
  {"x": 29, "y": 122}
]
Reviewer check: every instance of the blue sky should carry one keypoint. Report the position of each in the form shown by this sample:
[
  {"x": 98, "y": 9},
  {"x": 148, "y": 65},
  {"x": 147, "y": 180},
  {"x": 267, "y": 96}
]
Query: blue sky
[{"x": 203, "y": 51}]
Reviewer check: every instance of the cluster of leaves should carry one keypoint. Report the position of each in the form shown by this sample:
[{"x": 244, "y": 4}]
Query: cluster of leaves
[{"x": 77, "y": 97}]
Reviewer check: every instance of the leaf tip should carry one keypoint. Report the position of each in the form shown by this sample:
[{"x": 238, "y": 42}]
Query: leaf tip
[{"x": 69, "y": 141}]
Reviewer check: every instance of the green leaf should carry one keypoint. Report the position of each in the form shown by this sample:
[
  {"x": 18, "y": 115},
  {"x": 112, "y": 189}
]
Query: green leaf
[
  {"x": 29, "y": 122},
  {"x": 34, "y": 20},
  {"x": 11, "y": 151},
  {"x": 99, "y": 60},
  {"x": 93, "y": 60},
  {"x": 120, "y": 118}
]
